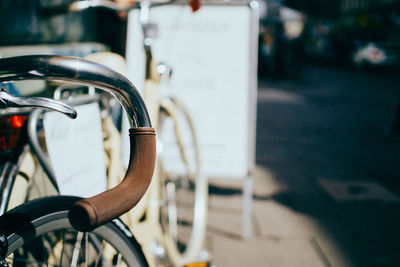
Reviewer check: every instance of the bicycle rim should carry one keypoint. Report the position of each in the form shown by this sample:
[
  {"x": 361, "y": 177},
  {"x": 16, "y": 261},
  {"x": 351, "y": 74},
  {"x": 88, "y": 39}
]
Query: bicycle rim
[
  {"x": 184, "y": 193},
  {"x": 47, "y": 238}
]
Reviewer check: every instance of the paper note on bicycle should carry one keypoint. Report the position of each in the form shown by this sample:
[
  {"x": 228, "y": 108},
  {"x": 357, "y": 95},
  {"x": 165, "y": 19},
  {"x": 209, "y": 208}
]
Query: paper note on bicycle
[{"x": 76, "y": 151}]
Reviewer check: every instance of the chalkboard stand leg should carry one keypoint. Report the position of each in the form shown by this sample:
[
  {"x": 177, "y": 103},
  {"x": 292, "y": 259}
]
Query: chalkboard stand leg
[{"x": 247, "y": 207}]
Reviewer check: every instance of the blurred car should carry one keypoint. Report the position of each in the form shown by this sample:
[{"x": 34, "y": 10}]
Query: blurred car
[{"x": 373, "y": 54}]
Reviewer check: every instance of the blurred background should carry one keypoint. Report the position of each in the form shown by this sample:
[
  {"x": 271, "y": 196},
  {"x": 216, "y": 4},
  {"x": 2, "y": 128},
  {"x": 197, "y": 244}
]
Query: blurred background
[
  {"x": 326, "y": 183},
  {"x": 357, "y": 33}
]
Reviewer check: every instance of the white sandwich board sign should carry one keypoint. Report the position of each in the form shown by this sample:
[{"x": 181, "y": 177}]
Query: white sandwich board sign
[{"x": 213, "y": 53}]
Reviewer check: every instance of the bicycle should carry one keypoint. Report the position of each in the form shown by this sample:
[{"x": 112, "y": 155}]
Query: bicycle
[
  {"x": 146, "y": 216},
  {"x": 45, "y": 229},
  {"x": 161, "y": 209},
  {"x": 181, "y": 185},
  {"x": 168, "y": 235},
  {"x": 111, "y": 145}
]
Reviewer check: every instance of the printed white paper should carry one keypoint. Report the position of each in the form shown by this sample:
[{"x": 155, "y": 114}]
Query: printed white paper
[{"x": 76, "y": 151}]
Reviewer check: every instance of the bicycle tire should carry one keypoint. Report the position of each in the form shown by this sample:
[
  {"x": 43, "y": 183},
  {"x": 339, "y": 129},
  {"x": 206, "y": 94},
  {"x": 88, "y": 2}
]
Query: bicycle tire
[
  {"x": 44, "y": 223},
  {"x": 185, "y": 244}
]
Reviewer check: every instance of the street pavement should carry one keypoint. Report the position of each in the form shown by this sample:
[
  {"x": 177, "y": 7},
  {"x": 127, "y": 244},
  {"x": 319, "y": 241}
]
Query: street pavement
[{"x": 326, "y": 184}]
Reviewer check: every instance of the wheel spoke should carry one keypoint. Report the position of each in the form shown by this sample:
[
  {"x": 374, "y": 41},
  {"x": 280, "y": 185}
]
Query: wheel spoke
[
  {"x": 87, "y": 258},
  {"x": 119, "y": 260},
  {"x": 77, "y": 248},
  {"x": 62, "y": 248},
  {"x": 100, "y": 254},
  {"x": 45, "y": 254}
]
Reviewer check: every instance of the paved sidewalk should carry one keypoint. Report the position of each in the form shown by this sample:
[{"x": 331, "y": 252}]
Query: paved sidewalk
[
  {"x": 281, "y": 236},
  {"x": 325, "y": 178}
]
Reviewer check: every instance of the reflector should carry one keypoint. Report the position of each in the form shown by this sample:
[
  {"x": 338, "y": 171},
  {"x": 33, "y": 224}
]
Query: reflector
[{"x": 11, "y": 133}]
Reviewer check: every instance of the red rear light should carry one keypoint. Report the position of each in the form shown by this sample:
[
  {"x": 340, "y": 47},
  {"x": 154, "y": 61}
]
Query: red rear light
[
  {"x": 17, "y": 121},
  {"x": 12, "y": 134}
]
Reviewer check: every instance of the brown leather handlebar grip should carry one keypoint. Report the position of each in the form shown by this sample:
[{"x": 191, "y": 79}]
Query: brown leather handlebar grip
[{"x": 89, "y": 213}]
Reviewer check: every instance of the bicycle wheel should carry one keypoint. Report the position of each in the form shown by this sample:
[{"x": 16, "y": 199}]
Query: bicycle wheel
[
  {"x": 39, "y": 234},
  {"x": 184, "y": 189}
]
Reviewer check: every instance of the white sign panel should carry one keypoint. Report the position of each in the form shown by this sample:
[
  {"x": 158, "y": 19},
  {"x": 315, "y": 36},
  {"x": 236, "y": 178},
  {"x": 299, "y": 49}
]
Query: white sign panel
[
  {"x": 212, "y": 56},
  {"x": 76, "y": 151}
]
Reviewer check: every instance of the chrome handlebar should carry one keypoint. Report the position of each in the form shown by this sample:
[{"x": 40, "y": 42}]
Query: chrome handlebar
[{"x": 77, "y": 70}]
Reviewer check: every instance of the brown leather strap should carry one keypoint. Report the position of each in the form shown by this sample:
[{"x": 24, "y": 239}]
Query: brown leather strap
[{"x": 91, "y": 212}]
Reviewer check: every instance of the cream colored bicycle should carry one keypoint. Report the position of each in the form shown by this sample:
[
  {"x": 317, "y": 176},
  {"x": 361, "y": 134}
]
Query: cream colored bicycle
[
  {"x": 170, "y": 220},
  {"x": 181, "y": 186}
]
